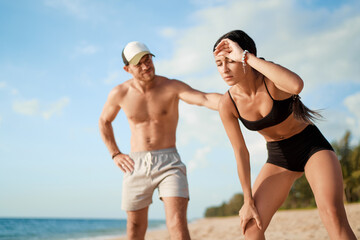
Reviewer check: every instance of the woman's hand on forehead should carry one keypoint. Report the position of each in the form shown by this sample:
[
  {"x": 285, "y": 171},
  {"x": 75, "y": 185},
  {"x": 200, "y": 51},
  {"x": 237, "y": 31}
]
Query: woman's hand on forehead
[{"x": 229, "y": 49}]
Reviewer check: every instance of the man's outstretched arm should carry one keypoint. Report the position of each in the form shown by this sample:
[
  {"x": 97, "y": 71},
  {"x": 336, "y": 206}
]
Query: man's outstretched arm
[{"x": 193, "y": 96}]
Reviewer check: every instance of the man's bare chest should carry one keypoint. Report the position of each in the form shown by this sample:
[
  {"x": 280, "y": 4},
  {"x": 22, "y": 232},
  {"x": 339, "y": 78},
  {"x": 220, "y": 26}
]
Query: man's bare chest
[{"x": 150, "y": 107}]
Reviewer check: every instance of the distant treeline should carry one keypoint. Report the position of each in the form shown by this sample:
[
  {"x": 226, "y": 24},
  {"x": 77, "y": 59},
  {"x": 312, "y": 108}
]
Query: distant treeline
[{"x": 300, "y": 195}]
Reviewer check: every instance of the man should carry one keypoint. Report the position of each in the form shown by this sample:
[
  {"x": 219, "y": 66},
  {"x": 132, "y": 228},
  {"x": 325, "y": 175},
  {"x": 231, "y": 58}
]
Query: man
[{"x": 150, "y": 103}]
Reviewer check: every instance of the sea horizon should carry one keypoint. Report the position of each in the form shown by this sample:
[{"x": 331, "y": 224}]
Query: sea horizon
[{"x": 51, "y": 228}]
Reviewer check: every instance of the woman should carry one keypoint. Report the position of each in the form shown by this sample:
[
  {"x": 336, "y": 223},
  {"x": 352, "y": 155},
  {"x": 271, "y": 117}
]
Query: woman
[{"x": 264, "y": 96}]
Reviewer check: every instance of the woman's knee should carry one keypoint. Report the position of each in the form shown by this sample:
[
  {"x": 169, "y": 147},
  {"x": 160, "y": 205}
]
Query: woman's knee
[
  {"x": 252, "y": 231},
  {"x": 332, "y": 214}
]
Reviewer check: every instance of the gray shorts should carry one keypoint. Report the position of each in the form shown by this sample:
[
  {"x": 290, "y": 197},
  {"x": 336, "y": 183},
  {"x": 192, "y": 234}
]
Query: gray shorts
[{"x": 162, "y": 169}]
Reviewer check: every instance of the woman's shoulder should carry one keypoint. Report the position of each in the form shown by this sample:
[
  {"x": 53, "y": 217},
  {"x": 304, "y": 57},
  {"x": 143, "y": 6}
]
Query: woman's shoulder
[
  {"x": 275, "y": 92},
  {"x": 226, "y": 104},
  {"x": 225, "y": 98}
]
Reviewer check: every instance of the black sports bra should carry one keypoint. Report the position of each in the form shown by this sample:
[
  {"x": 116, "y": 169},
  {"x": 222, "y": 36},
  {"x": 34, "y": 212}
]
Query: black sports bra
[{"x": 280, "y": 111}]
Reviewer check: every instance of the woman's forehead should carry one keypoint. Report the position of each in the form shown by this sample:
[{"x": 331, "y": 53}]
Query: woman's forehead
[{"x": 220, "y": 58}]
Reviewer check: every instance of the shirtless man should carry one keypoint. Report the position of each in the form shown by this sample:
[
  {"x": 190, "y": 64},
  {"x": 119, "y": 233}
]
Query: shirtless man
[{"x": 150, "y": 103}]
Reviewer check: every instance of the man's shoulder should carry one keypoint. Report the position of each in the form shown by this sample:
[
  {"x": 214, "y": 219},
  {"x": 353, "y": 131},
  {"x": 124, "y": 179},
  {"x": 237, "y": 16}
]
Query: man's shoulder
[
  {"x": 123, "y": 86},
  {"x": 121, "y": 89},
  {"x": 169, "y": 81}
]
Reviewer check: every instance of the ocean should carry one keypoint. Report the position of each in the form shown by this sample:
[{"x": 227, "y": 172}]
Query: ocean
[{"x": 65, "y": 229}]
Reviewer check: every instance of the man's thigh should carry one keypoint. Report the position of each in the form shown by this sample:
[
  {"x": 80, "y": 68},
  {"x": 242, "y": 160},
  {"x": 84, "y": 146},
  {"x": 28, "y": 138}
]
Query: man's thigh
[
  {"x": 175, "y": 206},
  {"x": 176, "y": 221},
  {"x": 139, "y": 216}
]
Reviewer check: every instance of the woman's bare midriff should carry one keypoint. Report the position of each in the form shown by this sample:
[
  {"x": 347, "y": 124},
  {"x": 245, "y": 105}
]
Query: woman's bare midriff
[{"x": 284, "y": 130}]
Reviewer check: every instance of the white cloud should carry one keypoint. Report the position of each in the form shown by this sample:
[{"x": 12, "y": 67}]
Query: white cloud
[
  {"x": 14, "y": 91},
  {"x": 4, "y": 85},
  {"x": 284, "y": 33},
  {"x": 112, "y": 77},
  {"x": 329, "y": 55},
  {"x": 94, "y": 12},
  {"x": 194, "y": 125},
  {"x": 320, "y": 45},
  {"x": 33, "y": 107},
  {"x": 207, "y": 2},
  {"x": 26, "y": 107},
  {"x": 256, "y": 145},
  {"x": 168, "y": 32},
  {"x": 352, "y": 103},
  {"x": 86, "y": 49},
  {"x": 77, "y": 8},
  {"x": 332, "y": 127},
  {"x": 199, "y": 160},
  {"x": 55, "y": 108}
]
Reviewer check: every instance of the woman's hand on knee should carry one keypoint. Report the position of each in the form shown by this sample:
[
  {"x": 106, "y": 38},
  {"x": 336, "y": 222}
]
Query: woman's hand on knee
[{"x": 247, "y": 212}]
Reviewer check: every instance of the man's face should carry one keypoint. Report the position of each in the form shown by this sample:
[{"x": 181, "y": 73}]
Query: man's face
[{"x": 144, "y": 70}]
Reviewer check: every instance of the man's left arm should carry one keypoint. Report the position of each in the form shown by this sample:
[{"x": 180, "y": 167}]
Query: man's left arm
[{"x": 193, "y": 96}]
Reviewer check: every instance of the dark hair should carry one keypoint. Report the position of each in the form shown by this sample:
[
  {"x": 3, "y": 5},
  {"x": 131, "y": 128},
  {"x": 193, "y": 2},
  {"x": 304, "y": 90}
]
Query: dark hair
[
  {"x": 124, "y": 58},
  {"x": 301, "y": 112},
  {"x": 241, "y": 38}
]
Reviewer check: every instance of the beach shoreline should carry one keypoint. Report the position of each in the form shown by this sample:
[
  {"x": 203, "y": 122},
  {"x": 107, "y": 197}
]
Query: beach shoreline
[{"x": 295, "y": 224}]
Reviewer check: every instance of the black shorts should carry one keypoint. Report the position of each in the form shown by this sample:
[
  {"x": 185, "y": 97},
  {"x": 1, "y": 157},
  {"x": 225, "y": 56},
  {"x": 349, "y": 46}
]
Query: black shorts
[{"x": 294, "y": 152}]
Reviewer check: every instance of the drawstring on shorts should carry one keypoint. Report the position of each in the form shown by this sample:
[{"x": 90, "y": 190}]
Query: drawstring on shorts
[{"x": 148, "y": 163}]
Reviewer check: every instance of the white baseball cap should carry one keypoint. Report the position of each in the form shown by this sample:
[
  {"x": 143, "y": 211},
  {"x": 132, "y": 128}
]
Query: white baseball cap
[{"x": 133, "y": 52}]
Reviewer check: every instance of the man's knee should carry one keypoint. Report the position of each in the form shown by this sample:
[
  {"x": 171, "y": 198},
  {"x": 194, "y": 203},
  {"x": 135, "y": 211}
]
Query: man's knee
[
  {"x": 136, "y": 229},
  {"x": 177, "y": 220},
  {"x": 137, "y": 223},
  {"x": 177, "y": 226}
]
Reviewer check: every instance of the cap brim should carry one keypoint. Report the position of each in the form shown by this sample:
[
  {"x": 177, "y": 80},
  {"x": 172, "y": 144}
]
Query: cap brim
[{"x": 136, "y": 59}]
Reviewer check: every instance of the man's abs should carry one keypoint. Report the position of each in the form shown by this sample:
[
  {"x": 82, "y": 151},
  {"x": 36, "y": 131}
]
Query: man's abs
[{"x": 153, "y": 136}]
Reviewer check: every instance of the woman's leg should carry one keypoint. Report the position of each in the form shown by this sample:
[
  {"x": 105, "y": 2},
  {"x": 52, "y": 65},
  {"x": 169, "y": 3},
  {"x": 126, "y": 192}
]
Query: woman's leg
[
  {"x": 270, "y": 190},
  {"x": 323, "y": 172}
]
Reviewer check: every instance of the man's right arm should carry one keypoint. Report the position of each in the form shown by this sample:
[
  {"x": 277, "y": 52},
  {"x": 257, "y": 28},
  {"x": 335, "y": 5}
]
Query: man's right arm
[
  {"x": 110, "y": 110},
  {"x": 193, "y": 96}
]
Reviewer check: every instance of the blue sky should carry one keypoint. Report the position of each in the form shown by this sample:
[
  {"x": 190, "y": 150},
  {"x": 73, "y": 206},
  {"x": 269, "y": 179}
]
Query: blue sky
[{"x": 60, "y": 58}]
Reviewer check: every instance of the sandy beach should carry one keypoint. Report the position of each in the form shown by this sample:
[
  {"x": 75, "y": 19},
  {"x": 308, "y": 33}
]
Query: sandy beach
[{"x": 285, "y": 225}]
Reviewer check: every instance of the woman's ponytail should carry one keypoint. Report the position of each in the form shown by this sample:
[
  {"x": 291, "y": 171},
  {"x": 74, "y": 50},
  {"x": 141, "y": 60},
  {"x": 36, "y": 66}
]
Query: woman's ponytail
[{"x": 302, "y": 113}]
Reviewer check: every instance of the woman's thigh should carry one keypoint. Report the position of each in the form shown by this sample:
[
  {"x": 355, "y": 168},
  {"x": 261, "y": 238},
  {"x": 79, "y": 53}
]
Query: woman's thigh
[
  {"x": 270, "y": 190},
  {"x": 323, "y": 172}
]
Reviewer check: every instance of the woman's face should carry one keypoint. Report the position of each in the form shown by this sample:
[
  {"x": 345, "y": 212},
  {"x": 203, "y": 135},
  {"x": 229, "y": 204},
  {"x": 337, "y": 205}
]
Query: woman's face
[{"x": 231, "y": 71}]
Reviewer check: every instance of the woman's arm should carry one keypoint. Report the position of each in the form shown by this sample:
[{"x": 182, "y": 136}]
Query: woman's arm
[
  {"x": 283, "y": 78},
  {"x": 233, "y": 131}
]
